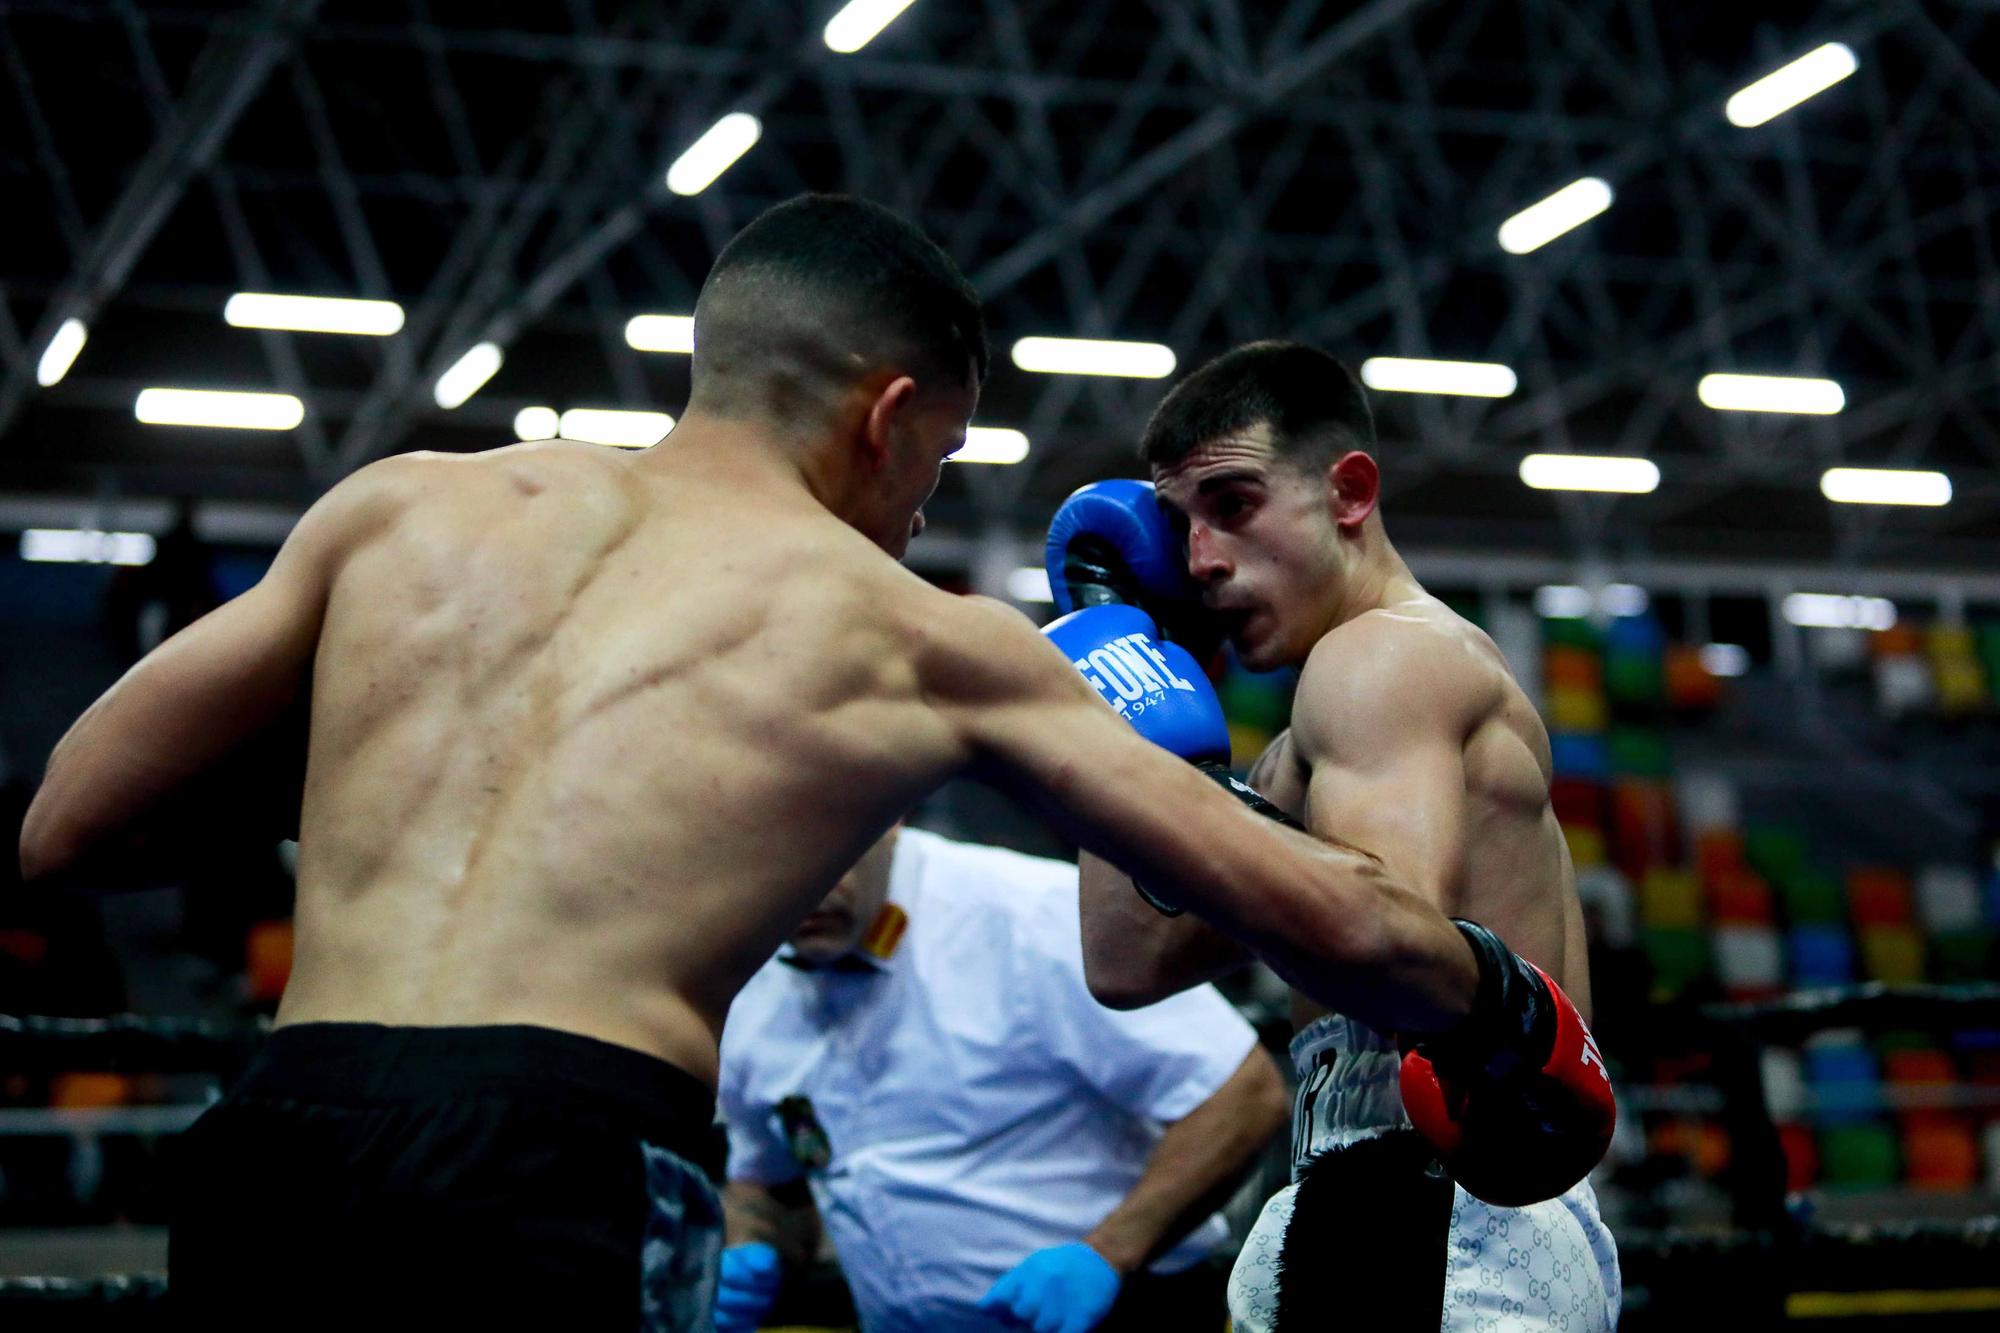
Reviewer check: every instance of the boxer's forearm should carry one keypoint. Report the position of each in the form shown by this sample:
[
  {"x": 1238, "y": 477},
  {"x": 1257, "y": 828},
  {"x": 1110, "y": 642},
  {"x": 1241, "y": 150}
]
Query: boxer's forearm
[
  {"x": 1135, "y": 956},
  {"x": 783, "y": 1218},
  {"x": 1197, "y": 1162},
  {"x": 107, "y": 809},
  {"x": 146, "y": 772},
  {"x": 1338, "y": 926},
  {"x": 74, "y": 812}
]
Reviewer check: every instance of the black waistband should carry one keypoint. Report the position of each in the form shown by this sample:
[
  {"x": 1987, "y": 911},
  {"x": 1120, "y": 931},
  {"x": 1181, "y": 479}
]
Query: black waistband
[{"x": 369, "y": 1063}]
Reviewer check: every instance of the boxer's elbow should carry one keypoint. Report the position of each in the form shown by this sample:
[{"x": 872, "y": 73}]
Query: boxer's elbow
[
  {"x": 1119, "y": 979},
  {"x": 46, "y": 847},
  {"x": 1120, "y": 992},
  {"x": 60, "y": 833}
]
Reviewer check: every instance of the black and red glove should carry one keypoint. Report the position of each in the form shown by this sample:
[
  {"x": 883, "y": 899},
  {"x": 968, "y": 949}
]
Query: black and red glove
[{"x": 1516, "y": 1100}]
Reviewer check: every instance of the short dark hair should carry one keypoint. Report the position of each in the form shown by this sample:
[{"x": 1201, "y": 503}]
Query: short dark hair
[
  {"x": 819, "y": 291},
  {"x": 1314, "y": 406}
]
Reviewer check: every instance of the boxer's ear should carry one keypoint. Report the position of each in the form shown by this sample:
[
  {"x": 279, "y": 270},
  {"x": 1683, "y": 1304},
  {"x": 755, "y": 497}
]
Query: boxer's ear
[
  {"x": 1353, "y": 485},
  {"x": 886, "y": 410}
]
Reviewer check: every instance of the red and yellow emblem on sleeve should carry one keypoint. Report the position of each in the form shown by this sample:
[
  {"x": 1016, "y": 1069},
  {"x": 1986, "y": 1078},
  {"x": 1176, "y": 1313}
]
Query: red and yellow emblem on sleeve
[{"x": 887, "y": 932}]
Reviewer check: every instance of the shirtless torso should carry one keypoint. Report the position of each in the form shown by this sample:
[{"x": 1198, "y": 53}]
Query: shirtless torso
[{"x": 588, "y": 738}]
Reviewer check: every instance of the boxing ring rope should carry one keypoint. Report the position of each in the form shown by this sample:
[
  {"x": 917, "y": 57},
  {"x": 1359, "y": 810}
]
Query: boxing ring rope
[
  {"x": 1777, "y": 1260},
  {"x": 128, "y": 1043},
  {"x": 1768, "y": 1264}
]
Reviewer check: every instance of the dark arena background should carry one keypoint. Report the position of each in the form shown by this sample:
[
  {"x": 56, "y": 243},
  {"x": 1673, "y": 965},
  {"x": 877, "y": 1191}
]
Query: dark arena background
[{"x": 1687, "y": 388}]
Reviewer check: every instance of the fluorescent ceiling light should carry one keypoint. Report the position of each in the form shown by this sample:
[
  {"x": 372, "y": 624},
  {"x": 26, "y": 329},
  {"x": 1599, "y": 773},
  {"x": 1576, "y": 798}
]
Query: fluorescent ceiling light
[
  {"x": 711, "y": 155},
  {"x": 1029, "y": 583},
  {"x": 218, "y": 407},
  {"x": 1567, "y": 601},
  {"x": 313, "y": 314},
  {"x": 859, "y": 21},
  {"x": 69, "y": 547},
  {"x": 661, "y": 333},
  {"x": 1725, "y": 659},
  {"x": 1472, "y": 379},
  {"x": 1816, "y": 610},
  {"x": 1884, "y": 486},
  {"x": 470, "y": 371},
  {"x": 61, "y": 352},
  {"x": 1782, "y": 89},
  {"x": 536, "y": 423},
  {"x": 1623, "y": 599},
  {"x": 1583, "y": 472},
  {"x": 604, "y": 425},
  {"x": 1563, "y": 601},
  {"x": 1094, "y": 356},
  {"x": 992, "y": 444},
  {"x": 1771, "y": 393},
  {"x": 1538, "y": 224}
]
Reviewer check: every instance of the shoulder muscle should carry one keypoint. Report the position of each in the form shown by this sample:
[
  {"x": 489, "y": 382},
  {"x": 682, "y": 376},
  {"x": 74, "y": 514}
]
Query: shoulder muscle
[{"x": 1383, "y": 679}]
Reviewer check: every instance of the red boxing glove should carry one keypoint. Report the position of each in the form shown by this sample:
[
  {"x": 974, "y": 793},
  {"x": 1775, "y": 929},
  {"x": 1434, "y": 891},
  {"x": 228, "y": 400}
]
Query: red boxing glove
[{"x": 1516, "y": 1100}]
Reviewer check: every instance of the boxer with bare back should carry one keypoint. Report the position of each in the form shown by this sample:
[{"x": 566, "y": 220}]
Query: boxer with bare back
[{"x": 1409, "y": 741}]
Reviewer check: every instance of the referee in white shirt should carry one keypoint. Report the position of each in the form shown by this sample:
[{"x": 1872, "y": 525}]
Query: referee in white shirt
[{"x": 988, "y": 1147}]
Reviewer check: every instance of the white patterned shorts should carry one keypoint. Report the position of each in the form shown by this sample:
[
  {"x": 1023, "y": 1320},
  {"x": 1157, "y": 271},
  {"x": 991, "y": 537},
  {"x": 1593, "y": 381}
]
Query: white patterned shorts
[{"x": 1362, "y": 1231}]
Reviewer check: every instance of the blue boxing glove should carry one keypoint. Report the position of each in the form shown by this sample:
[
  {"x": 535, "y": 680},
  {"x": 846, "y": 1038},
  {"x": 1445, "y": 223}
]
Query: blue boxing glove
[
  {"x": 1159, "y": 689},
  {"x": 1063, "y": 1289},
  {"x": 1155, "y": 686},
  {"x": 1111, "y": 542},
  {"x": 747, "y": 1287}
]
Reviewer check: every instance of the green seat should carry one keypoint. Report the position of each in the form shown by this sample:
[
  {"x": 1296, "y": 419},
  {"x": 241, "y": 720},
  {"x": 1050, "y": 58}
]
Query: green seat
[
  {"x": 1814, "y": 898},
  {"x": 1571, "y": 633},
  {"x": 1680, "y": 959},
  {"x": 1961, "y": 955},
  {"x": 1859, "y": 1157},
  {"x": 1640, "y": 752}
]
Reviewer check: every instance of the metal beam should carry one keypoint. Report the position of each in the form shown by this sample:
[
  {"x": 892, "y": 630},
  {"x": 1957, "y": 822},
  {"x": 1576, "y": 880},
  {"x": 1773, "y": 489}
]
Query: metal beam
[
  {"x": 229, "y": 74},
  {"x": 1151, "y": 168}
]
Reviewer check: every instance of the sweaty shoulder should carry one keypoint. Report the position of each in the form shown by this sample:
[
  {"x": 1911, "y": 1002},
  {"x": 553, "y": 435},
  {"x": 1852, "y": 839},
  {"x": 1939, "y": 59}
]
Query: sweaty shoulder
[{"x": 1415, "y": 663}]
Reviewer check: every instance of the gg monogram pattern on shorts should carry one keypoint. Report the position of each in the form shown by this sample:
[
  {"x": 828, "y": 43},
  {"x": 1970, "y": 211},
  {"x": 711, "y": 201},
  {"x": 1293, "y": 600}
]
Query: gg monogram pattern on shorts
[{"x": 1552, "y": 1265}]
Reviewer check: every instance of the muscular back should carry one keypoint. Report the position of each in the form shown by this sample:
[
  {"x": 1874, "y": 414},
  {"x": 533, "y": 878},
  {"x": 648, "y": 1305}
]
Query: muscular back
[
  {"x": 587, "y": 739},
  {"x": 1411, "y": 740}
]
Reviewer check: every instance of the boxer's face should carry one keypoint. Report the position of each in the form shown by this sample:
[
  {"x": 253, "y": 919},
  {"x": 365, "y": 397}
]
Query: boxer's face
[
  {"x": 1261, "y": 544},
  {"x": 834, "y": 928}
]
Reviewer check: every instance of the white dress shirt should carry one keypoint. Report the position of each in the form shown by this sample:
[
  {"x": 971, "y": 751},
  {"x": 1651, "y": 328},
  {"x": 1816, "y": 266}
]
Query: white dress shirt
[{"x": 976, "y": 1103}]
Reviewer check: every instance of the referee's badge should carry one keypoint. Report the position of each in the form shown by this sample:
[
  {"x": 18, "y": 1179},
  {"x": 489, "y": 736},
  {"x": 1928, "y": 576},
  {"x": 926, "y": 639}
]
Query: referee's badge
[{"x": 804, "y": 1134}]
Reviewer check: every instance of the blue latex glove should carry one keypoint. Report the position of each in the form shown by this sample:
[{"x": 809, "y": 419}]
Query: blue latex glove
[
  {"x": 1063, "y": 1289},
  {"x": 747, "y": 1286}
]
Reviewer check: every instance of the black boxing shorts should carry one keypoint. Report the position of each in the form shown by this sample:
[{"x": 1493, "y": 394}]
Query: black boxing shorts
[{"x": 504, "y": 1176}]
